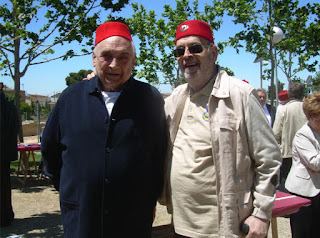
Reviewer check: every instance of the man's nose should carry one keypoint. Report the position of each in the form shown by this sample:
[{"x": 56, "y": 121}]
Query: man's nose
[{"x": 113, "y": 62}]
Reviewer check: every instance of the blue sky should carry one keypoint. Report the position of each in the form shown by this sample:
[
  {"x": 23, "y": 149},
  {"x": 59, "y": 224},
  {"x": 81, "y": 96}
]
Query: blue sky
[{"x": 49, "y": 78}]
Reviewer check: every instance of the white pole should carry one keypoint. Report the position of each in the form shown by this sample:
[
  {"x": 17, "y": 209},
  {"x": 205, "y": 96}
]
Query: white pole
[{"x": 276, "y": 74}]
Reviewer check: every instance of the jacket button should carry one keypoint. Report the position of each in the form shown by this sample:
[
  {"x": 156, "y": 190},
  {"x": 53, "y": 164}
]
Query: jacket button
[
  {"x": 107, "y": 181},
  {"x": 106, "y": 119},
  {"x": 108, "y": 150},
  {"x": 106, "y": 212}
]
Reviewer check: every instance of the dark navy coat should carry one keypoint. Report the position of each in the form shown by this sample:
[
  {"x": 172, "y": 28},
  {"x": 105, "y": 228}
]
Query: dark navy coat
[{"x": 108, "y": 169}]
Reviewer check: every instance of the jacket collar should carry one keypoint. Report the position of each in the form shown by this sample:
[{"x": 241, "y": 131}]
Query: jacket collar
[
  {"x": 221, "y": 87},
  {"x": 94, "y": 87}
]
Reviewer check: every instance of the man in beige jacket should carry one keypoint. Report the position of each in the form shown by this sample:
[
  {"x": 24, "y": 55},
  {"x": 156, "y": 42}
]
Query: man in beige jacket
[
  {"x": 224, "y": 160},
  {"x": 288, "y": 121}
]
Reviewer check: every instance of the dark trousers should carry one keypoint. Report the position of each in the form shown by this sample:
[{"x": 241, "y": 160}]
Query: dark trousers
[
  {"x": 284, "y": 171},
  {"x": 5, "y": 190},
  {"x": 305, "y": 223}
]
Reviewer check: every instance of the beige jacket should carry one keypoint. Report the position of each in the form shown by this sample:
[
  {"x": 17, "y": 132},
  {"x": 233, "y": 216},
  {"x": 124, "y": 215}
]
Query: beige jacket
[
  {"x": 289, "y": 120},
  {"x": 246, "y": 156}
]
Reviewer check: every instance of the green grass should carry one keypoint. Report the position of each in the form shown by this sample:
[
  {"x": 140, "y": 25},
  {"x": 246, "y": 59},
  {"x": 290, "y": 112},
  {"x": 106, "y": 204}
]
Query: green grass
[{"x": 37, "y": 157}]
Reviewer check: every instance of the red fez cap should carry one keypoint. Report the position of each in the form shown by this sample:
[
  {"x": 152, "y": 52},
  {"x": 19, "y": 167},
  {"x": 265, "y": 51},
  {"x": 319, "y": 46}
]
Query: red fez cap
[
  {"x": 194, "y": 28},
  {"x": 109, "y": 29},
  {"x": 283, "y": 95}
]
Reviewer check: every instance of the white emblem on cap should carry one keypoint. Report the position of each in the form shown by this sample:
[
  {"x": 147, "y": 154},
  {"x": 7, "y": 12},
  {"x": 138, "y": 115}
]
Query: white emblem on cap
[{"x": 184, "y": 28}]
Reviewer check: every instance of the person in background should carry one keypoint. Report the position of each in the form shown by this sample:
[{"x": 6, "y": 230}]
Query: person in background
[
  {"x": 283, "y": 97},
  {"x": 9, "y": 126},
  {"x": 268, "y": 109},
  {"x": 104, "y": 145},
  {"x": 223, "y": 161},
  {"x": 304, "y": 176},
  {"x": 288, "y": 121}
]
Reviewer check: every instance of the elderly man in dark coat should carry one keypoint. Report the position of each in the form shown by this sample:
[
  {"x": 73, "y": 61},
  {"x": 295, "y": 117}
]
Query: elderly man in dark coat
[
  {"x": 9, "y": 152},
  {"x": 104, "y": 145}
]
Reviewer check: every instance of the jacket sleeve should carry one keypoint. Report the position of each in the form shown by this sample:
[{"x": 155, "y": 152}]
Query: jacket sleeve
[
  {"x": 307, "y": 151},
  {"x": 160, "y": 149},
  {"x": 51, "y": 147},
  {"x": 265, "y": 152},
  {"x": 278, "y": 125}
]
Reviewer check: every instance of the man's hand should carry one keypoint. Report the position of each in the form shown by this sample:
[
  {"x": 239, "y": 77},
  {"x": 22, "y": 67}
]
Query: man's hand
[
  {"x": 91, "y": 75},
  {"x": 258, "y": 228}
]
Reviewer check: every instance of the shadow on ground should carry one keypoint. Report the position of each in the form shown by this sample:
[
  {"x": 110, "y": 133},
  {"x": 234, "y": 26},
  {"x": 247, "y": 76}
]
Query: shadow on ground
[
  {"x": 40, "y": 225},
  {"x": 32, "y": 185}
]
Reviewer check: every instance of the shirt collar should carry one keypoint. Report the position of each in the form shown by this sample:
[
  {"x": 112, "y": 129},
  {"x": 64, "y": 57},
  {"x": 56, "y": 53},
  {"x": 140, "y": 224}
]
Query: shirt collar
[{"x": 94, "y": 85}]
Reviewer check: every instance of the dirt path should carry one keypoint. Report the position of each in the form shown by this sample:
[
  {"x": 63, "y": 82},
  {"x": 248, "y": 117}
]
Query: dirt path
[{"x": 37, "y": 212}]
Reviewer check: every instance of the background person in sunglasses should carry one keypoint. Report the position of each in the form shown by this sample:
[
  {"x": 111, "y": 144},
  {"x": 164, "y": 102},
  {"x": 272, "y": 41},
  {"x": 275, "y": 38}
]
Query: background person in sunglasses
[{"x": 224, "y": 161}]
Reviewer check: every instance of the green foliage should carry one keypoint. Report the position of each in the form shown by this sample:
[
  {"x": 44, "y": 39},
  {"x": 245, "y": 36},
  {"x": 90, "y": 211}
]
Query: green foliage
[
  {"x": 45, "y": 110},
  {"x": 300, "y": 25},
  {"x": 33, "y": 31},
  {"x": 315, "y": 83},
  {"x": 26, "y": 110},
  {"x": 77, "y": 77},
  {"x": 9, "y": 97},
  {"x": 156, "y": 35}
]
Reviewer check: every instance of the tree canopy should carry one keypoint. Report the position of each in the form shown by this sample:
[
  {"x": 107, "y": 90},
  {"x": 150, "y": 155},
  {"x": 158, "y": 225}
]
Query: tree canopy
[
  {"x": 34, "y": 32},
  {"x": 296, "y": 52},
  {"x": 77, "y": 77}
]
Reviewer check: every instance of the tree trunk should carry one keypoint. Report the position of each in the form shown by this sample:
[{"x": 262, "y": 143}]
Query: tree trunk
[{"x": 17, "y": 74}]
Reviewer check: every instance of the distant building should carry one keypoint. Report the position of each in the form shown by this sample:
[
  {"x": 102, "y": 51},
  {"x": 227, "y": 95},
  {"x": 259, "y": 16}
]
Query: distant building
[
  {"x": 11, "y": 92},
  {"x": 54, "y": 98},
  {"x": 42, "y": 100}
]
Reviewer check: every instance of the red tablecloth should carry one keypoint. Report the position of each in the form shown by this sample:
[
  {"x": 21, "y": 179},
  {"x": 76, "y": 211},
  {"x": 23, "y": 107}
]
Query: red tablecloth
[
  {"x": 287, "y": 204},
  {"x": 29, "y": 147}
]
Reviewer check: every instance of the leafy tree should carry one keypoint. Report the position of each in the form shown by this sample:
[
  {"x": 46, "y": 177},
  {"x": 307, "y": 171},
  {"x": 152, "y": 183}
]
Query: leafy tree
[
  {"x": 76, "y": 77},
  {"x": 156, "y": 37},
  {"x": 26, "y": 110},
  {"x": 299, "y": 23},
  {"x": 9, "y": 97},
  {"x": 32, "y": 30},
  {"x": 315, "y": 84}
]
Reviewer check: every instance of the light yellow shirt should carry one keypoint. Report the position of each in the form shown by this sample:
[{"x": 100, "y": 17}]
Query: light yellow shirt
[{"x": 193, "y": 179}]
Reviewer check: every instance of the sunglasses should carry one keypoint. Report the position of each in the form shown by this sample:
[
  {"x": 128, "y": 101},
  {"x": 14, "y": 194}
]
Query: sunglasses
[{"x": 193, "y": 49}]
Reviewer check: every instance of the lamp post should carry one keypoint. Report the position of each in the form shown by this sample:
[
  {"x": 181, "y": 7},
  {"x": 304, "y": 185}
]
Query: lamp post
[
  {"x": 276, "y": 38},
  {"x": 262, "y": 63}
]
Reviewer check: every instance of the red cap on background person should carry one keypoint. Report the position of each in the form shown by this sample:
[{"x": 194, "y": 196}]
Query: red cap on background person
[
  {"x": 194, "y": 28},
  {"x": 283, "y": 95},
  {"x": 109, "y": 29}
]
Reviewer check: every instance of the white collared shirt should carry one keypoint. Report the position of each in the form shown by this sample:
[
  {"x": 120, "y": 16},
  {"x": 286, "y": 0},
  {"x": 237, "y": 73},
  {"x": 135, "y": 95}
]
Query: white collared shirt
[{"x": 110, "y": 99}]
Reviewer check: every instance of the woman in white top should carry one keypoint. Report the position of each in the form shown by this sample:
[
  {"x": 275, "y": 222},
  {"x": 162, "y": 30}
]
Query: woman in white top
[{"x": 304, "y": 176}]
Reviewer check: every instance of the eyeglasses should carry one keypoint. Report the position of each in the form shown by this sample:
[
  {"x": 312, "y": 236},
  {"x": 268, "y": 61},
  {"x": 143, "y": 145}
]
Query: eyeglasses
[
  {"x": 317, "y": 121},
  {"x": 193, "y": 49}
]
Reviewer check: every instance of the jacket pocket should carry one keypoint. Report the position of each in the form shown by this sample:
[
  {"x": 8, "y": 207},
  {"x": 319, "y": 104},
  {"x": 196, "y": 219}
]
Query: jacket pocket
[
  {"x": 244, "y": 201},
  {"x": 303, "y": 174},
  {"x": 70, "y": 215},
  {"x": 228, "y": 133}
]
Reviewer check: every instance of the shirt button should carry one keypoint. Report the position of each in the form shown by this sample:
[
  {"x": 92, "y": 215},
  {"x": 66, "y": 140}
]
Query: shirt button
[{"x": 108, "y": 150}]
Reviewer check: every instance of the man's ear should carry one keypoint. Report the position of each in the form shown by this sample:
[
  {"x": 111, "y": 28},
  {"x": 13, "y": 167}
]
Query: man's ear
[
  {"x": 133, "y": 62},
  {"x": 94, "y": 59},
  {"x": 214, "y": 53}
]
